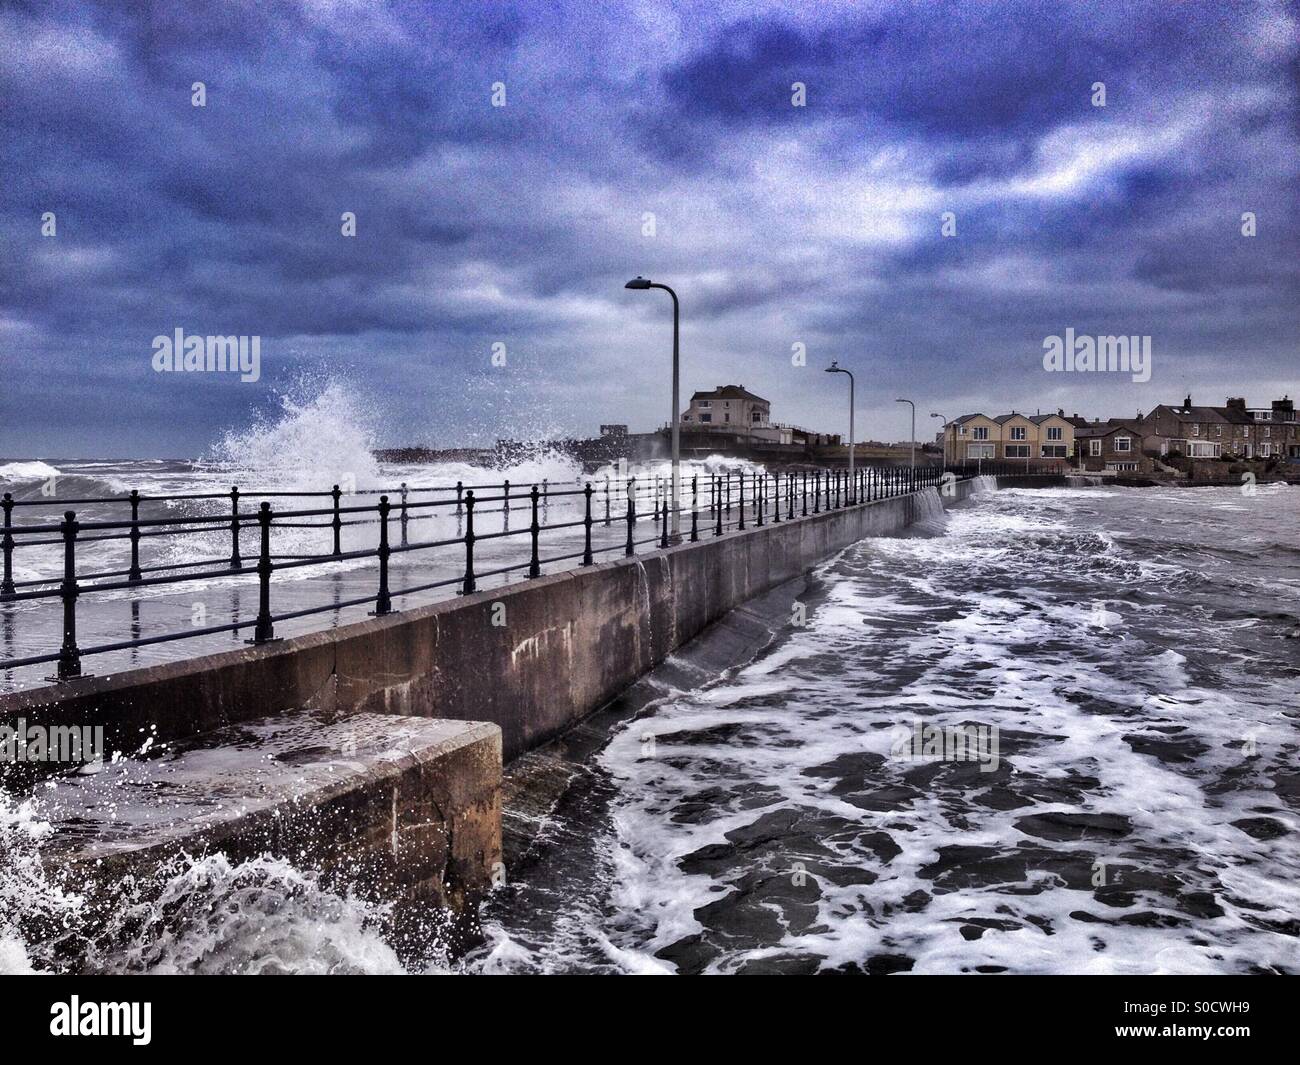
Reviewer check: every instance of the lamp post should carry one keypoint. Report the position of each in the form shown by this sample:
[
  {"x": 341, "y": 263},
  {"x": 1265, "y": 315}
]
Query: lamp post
[
  {"x": 835, "y": 367},
  {"x": 944, "y": 422},
  {"x": 644, "y": 283},
  {"x": 913, "y": 440}
]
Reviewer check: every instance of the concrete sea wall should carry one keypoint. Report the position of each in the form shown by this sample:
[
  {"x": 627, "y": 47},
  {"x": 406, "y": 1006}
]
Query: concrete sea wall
[{"x": 532, "y": 658}]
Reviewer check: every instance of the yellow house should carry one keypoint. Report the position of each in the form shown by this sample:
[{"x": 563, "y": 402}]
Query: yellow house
[
  {"x": 973, "y": 437},
  {"x": 976, "y": 437}
]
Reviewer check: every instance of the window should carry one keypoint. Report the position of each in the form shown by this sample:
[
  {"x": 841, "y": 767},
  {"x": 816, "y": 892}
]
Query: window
[
  {"x": 1053, "y": 451},
  {"x": 1123, "y": 443},
  {"x": 1094, "y": 446},
  {"x": 1055, "y": 432},
  {"x": 961, "y": 430},
  {"x": 1017, "y": 451},
  {"x": 979, "y": 451},
  {"x": 726, "y": 417},
  {"x": 705, "y": 404},
  {"x": 1202, "y": 449},
  {"x": 1122, "y": 467},
  {"x": 981, "y": 432},
  {"x": 1196, "y": 430},
  {"x": 1267, "y": 431},
  {"x": 1018, "y": 432},
  {"x": 706, "y": 417},
  {"x": 756, "y": 416},
  {"x": 1218, "y": 430}
]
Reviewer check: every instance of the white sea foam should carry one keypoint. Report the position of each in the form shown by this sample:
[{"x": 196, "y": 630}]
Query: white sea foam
[{"x": 17, "y": 472}]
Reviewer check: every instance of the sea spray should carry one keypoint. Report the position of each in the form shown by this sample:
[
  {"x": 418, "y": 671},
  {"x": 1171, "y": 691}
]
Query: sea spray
[
  {"x": 320, "y": 438},
  {"x": 33, "y": 905}
]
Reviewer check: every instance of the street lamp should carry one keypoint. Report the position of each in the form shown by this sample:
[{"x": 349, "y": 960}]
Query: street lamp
[
  {"x": 642, "y": 283},
  {"x": 944, "y": 421},
  {"x": 913, "y": 440},
  {"x": 835, "y": 367}
]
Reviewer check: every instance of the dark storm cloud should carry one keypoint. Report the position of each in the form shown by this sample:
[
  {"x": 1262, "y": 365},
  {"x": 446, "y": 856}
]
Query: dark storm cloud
[{"x": 519, "y": 224}]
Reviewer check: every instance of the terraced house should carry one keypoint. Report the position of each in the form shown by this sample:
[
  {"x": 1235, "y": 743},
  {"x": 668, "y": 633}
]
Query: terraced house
[
  {"x": 1233, "y": 430},
  {"x": 980, "y": 437}
]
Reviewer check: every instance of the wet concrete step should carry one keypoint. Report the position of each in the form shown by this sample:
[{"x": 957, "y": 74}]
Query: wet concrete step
[{"x": 398, "y": 808}]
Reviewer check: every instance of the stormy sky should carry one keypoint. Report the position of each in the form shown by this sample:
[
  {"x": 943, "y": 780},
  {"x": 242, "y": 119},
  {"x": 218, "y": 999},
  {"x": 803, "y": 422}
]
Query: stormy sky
[{"x": 779, "y": 225}]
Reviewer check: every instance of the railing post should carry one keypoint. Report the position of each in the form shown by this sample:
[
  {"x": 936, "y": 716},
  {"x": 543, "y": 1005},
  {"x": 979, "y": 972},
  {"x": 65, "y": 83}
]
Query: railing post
[
  {"x": 383, "y": 603},
  {"x": 804, "y": 493},
  {"x": 630, "y": 491},
  {"x": 546, "y": 495},
  {"x": 469, "y": 583},
  {"x": 776, "y": 497},
  {"x": 790, "y": 481},
  {"x": 505, "y": 508},
  {"x": 264, "y": 630},
  {"x": 729, "y": 493},
  {"x": 460, "y": 502},
  {"x": 69, "y": 656},
  {"x": 403, "y": 515},
  {"x": 534, "y": 563},
  {"x": 134, "y": 573},
  {"x": 663, "y": 539},
  {"x": 235, "y": 561},
  {"x": 7, "y": 546},
  {"x": 760, "y": 500},
  {"x": 586, "y": 521},
  {"x": 337, "y": 523},
  {"x": 695, "y": 509},
  {"x": 817, "y": 491},
  {"x": 607, "y": 499}
]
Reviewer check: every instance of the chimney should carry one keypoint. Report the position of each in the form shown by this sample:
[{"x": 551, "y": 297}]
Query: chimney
[
  {"x": 1283, "y": 410},
  {"x": 1237, "y": 403},
  {"x": 1188, "y": 401}
]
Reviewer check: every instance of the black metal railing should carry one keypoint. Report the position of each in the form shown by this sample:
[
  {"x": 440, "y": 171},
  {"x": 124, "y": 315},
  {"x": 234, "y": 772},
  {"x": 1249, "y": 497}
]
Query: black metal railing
[{"x": 728, "y": 501}]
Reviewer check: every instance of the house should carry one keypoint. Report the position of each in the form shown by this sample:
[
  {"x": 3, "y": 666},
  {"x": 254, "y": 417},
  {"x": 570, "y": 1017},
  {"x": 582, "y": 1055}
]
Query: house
[
  {"x": 976, "y": 437},
  {"x": 728, "y": 407},
  {"x": 1117, "y": 445},
  {"x": 1230, "y": 431}
]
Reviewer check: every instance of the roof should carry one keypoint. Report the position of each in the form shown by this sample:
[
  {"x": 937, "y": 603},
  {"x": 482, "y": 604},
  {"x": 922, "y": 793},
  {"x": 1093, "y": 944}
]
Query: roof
[
  {"x": 727, "y": 392},
  {"x": 1231, "y": 415},
  {"x": 1115, "y": 425}
]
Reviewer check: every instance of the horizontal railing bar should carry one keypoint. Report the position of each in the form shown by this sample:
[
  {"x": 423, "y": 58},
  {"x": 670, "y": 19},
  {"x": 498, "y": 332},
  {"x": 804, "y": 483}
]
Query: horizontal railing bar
[{"x": 286, "y": 494}]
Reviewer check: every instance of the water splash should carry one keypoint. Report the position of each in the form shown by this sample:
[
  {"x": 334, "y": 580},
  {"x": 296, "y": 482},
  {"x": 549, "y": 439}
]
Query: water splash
[
  {"x": 320, "y": 437},
  {"x": 30, "y": 897}
]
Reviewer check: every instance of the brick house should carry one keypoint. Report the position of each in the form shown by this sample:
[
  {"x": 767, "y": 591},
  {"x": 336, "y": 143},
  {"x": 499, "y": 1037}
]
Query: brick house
[
  {"x": 1117, "y": 445},
  {"x": 1230, "y": 431}
]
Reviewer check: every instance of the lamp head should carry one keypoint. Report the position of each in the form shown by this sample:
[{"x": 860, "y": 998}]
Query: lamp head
[
  {"x": 638, "y": 282},
  {"x": 834, "y": 367}
]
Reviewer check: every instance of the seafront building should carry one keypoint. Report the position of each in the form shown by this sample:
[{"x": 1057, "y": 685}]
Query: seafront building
[
  {"x": 1144, "y": 444},
  {"x": 981, "y": 437}
]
